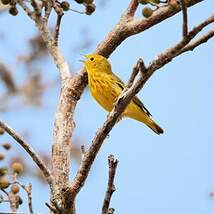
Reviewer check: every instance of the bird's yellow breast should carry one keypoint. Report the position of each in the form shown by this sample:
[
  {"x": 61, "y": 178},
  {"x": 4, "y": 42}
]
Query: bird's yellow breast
[{"x": 102, "y": 90}]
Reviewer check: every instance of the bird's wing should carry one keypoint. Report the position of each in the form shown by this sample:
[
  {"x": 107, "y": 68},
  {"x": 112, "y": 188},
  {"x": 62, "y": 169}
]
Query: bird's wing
[{"x": 136, "y": 100}]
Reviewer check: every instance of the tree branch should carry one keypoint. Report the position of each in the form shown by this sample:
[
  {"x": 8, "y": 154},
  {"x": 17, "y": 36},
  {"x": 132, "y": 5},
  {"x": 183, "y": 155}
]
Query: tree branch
[
  {"x": 58, "y": 22},
  {"x": 141, "y": 24},
  {"x": 13, "y": 202},
  {"x": 185, "y": 21},
  {"x": 112, "y": 163},
  {"x": 63, "y": 129},
  {"x": 28, "y": 190},
  {"x": 30, "y": 151},
  {"x": 59, "y": 60},
  {"x": 130, "y": 11},
  {"x": 195, "y": 43},
  {"x": 64, "y": 123}
]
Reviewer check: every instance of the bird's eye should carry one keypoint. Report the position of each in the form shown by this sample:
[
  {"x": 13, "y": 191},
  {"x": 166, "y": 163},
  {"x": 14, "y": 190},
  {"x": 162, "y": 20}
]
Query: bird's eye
[{"x": 92, "y": 58}]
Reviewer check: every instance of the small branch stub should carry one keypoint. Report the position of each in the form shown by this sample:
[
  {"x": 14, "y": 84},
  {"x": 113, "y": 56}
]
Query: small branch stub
[
  {"x": 112, "y": 163},
  {"x": 185, "y": 20}
]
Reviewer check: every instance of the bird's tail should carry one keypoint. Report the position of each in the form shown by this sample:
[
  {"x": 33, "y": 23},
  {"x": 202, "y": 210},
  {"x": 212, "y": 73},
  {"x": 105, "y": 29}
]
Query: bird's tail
[
  {"x": 154, "y": 126},
  {"x": 143, "y": 117}
]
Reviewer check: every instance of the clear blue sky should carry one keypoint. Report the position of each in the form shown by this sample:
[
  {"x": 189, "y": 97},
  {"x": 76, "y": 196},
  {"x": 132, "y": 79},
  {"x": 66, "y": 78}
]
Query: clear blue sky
[{"x": 168, "y": 174}]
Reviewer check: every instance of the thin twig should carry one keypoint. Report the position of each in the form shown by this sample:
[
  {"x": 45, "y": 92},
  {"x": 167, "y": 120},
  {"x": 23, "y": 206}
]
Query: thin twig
[
  {"x": 185, "y": 20},
  {"x": 195, "y": 43},
  {"x": 4, "y": 191},
  {"x": 29, "y": 194},
  {"x": 82, "y": 151},
  {"x": 112, "y": 163},
  {"x": 26, "y": 9},
  {"x": 141, "y": 24},
  {"x": 140, "y": 66},
  {"x": 135, "y": 72},
  {"x": 54, "y": 50},
  {"x": 13, "y": 201},
  {"x": 57, "y": 28},
  {"x": 29, "y": 150},
  {"x": 53, "y": 209},
  {"x": 154, "y": 4},
  {"x": 131, "y": 9},
  {"x": 48, "y": 8},
  {"x": 36, "y": 7},
  {"x": 77, "y": 11},
  {"x": 28, "y": 190}
]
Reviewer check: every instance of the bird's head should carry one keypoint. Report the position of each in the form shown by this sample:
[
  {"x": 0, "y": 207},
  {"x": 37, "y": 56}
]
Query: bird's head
[{"x": 97, "y": 63}]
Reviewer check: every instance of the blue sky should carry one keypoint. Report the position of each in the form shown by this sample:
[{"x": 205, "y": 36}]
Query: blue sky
[{"x": 172, "y": 173}]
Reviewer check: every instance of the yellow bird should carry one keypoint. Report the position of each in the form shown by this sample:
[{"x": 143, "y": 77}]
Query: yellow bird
[{"x": 105, "y": 87}]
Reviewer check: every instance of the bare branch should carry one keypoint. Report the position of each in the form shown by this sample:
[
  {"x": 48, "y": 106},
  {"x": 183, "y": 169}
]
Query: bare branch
[
  {"x": 48, "y": 8},
  {"x": 58, "y": 22},
  {"x": 59, "y": 60},
  {"x": 141, "y": 24},
  {"x": 112, "y": 163},
  {"x": 169, "y": 54},
  {"x": 42, "y": 25},
  {"x": 82, "y": 151},
  {"x": 30, "y": 151},
  {"x": 63, "y": 129},
  {"x": 28, "y": 11},
  {"x": 135, "y": 72},
  {"x": 28, "y": 190},
  {"x": 131, "y": 9},
  {"x": 53, "y": 209},
  {"x": 29, "y": 194},
  {"x": 140, "y": 66},
  {"x": 36, "y": 7},
  {"x": 185, "y": 21},
  {"x": 195, "y": 43},
  {"x": 13, "y": 201}
]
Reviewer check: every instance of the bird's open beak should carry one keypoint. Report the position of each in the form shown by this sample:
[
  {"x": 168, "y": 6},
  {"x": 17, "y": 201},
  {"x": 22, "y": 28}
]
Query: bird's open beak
[{"x": 81, "y": 60}]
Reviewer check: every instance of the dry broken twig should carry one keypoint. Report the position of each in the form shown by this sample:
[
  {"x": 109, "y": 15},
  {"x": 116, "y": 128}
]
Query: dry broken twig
[{"x": 112, "y": 163}]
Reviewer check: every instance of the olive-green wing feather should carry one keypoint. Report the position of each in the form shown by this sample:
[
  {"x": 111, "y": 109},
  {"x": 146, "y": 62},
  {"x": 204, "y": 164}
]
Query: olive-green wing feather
[{"x": 136, "y": 100}]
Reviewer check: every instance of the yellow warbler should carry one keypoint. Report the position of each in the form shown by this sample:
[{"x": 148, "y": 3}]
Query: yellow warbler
[{"x": 105, "y": 87}]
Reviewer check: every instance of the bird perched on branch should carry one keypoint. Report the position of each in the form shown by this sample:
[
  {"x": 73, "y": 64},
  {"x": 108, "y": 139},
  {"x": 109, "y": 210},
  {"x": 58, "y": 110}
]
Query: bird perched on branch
[{"x": 105, "y": 87}]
